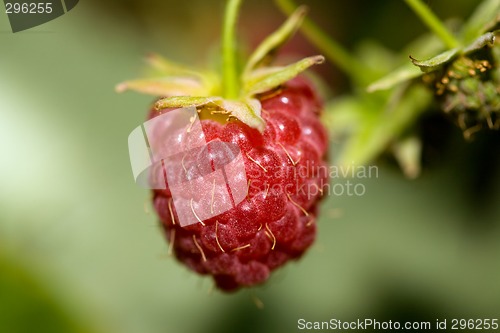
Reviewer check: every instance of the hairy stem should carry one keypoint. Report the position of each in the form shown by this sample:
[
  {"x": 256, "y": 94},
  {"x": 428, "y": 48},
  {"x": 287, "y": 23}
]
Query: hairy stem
[
  {"x": 433, "y": 22},
  {"x": 231, "y": 82}
]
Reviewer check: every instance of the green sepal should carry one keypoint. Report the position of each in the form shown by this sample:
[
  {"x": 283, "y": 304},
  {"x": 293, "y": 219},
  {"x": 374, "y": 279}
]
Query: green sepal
[
  {"x": 247, "y": 110},
  {"x": 268, "y": 47},
  {"x": 434, "y": 63},
  {"x": 257, "y": 84},
  {"x": 165, "y": 86},
  {"x": 182, "y": 86},
  {"x": 185, "y": 101},
  {"x": 170, "y": 68},
  {"x": 172, "y": 79}
]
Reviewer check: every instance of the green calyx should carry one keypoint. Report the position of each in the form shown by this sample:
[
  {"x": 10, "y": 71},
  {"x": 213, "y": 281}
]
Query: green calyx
[
  {"x": 465, "y": 76},
  {"x": 236, "y": 94},
  {"x": 466, "y": 82},
  {"x": 468, "y": 90}
]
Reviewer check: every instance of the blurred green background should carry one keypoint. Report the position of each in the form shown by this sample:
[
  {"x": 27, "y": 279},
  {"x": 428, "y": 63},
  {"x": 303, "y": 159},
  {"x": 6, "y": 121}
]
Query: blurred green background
[{"x": 81, "y": 251}]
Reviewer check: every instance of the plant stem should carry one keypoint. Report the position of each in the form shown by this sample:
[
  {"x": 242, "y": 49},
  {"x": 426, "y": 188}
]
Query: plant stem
[
  {"x": 332, "y": 50},
  {"x": 231, "y": 82},
  {"x": 433, "y": 22}
]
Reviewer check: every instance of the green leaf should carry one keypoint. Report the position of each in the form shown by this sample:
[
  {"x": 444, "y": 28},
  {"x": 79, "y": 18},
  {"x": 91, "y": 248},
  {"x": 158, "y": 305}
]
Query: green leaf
[
  {"x": 274, "y": 41},
  {"x": 376, "y": 57},
  {"x": 435, "y": 62},
  {"x": 261, "y": 83},
  {"x": 427, "y": 45},
  {"x": 488, "y": 39},
  {"x": 394, "y": 78},
  {"x": 483, "y": 16},
  {"x": 378, "y": 129}
]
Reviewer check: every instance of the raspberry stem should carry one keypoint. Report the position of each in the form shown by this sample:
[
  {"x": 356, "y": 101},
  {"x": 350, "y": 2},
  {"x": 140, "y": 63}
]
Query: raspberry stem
[
  {"x": 433, "y": 22},
  {"x": 229, "y": 66}
]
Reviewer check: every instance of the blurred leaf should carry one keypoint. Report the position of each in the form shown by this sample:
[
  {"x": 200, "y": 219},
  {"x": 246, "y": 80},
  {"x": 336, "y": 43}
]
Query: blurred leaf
[
  {"x": 343, "y": 114},
  {"x": 408, "y": 152},
  {"x": 377, "y": 129},
  {"x": 485, "y": 40},
  {"x": 27, "y": 307},
  {"x": 477, "y": 24},
  {"x": 426, "y": 45},
  {"x": 376, "y": 57},
  {"x": 394, "y": 78}
]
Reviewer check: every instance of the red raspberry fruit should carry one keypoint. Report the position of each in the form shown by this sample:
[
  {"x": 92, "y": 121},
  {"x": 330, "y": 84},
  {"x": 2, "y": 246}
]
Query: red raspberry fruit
[
  {"x": 285, "y": 167},
  {"x": 272, "y": 116}
]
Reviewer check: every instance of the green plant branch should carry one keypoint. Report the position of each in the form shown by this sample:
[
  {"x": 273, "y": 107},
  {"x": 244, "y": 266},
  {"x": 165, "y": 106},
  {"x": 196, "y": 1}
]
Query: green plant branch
[
  {"x": 332, "y": 50},
  {"x": 433, "y": 22},
  {"x": 230, "y": 75}
]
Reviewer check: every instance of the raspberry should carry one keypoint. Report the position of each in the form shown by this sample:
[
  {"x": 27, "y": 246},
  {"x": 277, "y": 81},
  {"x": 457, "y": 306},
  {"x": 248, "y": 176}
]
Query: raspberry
[
  {"x": 276, "y": 222},
  {"x": 267, "y": 121}
]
